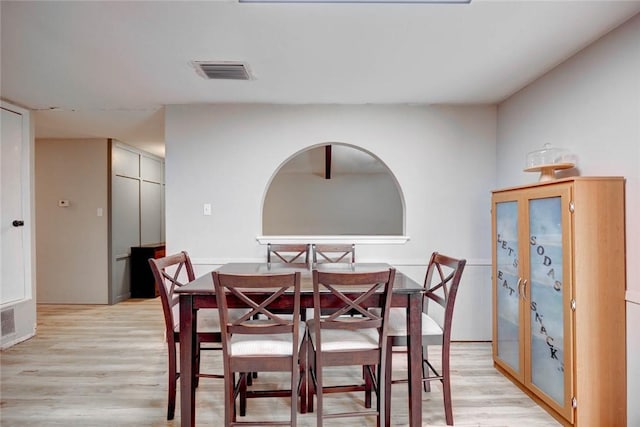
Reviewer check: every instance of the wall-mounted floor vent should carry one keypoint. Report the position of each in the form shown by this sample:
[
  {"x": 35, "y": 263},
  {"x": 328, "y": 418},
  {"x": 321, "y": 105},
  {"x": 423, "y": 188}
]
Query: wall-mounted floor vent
[
  {"x": 222, "y": 70},
  {"x": 7, "y": 322}
]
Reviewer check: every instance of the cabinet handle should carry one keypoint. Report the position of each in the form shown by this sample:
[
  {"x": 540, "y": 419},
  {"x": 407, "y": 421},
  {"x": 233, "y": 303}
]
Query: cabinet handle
[
  {"x": 17, "y": 223},
  {"x": 524, "y": 289},
  {"x": 519, "y": 285}
]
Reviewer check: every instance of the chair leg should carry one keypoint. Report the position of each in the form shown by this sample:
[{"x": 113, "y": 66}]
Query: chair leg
[
  {"x": 446, "y": 385},
  {"x": 303, "y": 372},
  {"x": 173, "y": 380},
  {"x": 229, "y": 400},
  {"x": 368, "y": 385},
  {"x": 318, "y": 392},
  {"x": 196, "y": 374},
  {"x": 294, "y": 392},
  {"x": 381, "y": 374},
  {"x": 387, "y": 383},
  {"x": 311, "y": 377},
  {"x": 243, "y": 393},
  {"x": 426, "y": 373}
]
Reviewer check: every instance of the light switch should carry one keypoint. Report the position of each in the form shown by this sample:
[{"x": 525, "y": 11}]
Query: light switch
[
  {"x": 99, "y": 212},
  {"x": 207, "y": 209}
]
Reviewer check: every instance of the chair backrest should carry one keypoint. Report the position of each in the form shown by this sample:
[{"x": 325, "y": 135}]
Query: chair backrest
[
  {"x": 441, "y": 286},
  {"x": 288, "y": 253},
  {"x": 243, "y": 290},
  {"x": 171, "y": 272},
  {"x": 353, "y": 292},
  {"x": 323, "y": 253}
]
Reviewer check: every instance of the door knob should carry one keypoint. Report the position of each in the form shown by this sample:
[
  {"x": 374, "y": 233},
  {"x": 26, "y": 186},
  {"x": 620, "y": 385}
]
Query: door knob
[{"x": 18, "y": 223}]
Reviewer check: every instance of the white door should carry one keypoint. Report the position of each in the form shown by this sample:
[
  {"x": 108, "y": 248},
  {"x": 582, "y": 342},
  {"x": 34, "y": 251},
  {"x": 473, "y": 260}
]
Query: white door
[{"x": 12, "y": 216}]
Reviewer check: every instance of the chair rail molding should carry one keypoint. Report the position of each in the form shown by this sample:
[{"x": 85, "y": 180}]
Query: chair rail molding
[
  {"x": 337, "y": 239},
  {"x": 479, "y": 262}
]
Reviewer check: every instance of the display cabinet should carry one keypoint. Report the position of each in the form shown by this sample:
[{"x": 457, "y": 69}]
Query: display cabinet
[{"x": 558, "y": 296}]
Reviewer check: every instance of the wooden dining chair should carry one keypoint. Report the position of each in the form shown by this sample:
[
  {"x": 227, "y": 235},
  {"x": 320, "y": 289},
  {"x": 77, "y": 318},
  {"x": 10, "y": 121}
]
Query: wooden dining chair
[
  {"x": 338, "y": 339},
  {"x": 269, "y": 342},
  {"x": 293, "y": 254},
  {"x": 171, "y": 272},
  {"x": 323, "y": 253},
  {"x": 440, "y": 289}
]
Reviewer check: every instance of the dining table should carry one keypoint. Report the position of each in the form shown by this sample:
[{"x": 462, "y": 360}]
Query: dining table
[{"x": 200, "y": 294}]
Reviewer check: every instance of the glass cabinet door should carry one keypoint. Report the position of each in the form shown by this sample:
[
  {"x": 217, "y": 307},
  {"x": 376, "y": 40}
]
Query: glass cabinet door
[
  {"x": 533, "y": 246},
  {"x": 545, "y": 297},
  {"x": 507, "y": 284}
]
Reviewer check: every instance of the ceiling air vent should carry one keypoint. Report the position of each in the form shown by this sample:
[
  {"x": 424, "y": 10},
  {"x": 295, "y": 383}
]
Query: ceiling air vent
[{"x": 222, "y": 70}]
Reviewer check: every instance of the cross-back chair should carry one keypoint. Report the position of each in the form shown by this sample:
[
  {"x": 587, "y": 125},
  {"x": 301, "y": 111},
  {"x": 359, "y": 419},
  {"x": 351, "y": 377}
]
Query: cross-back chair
[
  {"x": 440, "y": 289},
  {"x": 288, "y": 253},
  {"x": 339, "y": 339},
  {"x": 333, "y": 253},
  {"x": 171, "y": 272},
  {"x": 261, "y": 340}
]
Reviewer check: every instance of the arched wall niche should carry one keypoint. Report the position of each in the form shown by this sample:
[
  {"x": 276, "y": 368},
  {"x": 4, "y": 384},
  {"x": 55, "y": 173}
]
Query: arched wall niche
[{"x": 361, "y": 197}]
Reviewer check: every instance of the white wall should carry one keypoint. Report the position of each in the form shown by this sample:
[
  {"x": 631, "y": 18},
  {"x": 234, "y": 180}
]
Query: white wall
[
  {"x": 590, "y": 105},
  {"x": 72, "y": 242},
  {"x": 443, "y": 158},
  {"x": 364, "y": 204}
]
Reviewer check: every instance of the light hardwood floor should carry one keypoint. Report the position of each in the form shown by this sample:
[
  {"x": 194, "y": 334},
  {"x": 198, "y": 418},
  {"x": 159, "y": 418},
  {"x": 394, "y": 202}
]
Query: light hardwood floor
[{"x": 106, "y": 366}]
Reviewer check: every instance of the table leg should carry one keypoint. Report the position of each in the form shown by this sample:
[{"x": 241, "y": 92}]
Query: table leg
[
  {"x": 188, "y": 343},
  {"x": 414, "y": 328}
]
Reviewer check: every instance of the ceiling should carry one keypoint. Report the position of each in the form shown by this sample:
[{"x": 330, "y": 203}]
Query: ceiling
[{"x": 107, "y": 68}]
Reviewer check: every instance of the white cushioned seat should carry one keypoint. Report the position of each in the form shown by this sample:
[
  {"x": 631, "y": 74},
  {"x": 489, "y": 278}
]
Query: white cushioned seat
[
  {"x": 344, "y": 339},
  {"x": 431, "y": 331},
  {"x": 268, "y": 344},
  {"x": 209, "y": 319},
  {"x": 398, "y": 323}
]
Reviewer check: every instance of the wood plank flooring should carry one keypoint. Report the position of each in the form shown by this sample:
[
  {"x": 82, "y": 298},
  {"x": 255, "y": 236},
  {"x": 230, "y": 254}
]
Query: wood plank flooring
[{"x": 106, "y": 366}]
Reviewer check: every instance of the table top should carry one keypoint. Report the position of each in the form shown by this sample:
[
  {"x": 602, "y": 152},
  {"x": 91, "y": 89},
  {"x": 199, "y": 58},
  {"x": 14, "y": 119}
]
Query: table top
[{"x": 203, "y": 285}]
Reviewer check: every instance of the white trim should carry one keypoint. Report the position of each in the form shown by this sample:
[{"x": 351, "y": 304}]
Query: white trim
[
  {"x": 633, "y": 296},
  {"x": 358, "y": 240},
  {"x": 398, "y": 262},
  {"x": 476, "y": 262},
  {"x": 16, "y": 340},
  {"x": 222, "y": 261},
  {"x": 362, "y": 1}
]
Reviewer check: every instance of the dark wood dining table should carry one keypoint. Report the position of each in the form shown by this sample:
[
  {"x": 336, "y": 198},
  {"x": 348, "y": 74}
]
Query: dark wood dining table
[{"x": 200, "y": 294}]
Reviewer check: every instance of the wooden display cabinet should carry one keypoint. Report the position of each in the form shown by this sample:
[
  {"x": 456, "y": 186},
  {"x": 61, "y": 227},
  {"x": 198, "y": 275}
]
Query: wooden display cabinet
[{"x": 559, "y": 296}]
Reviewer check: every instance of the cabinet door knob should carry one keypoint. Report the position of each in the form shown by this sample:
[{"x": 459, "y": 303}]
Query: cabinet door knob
[
  {"x": 17, "y": 223},
  {"x": 524, "y": 289}
]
